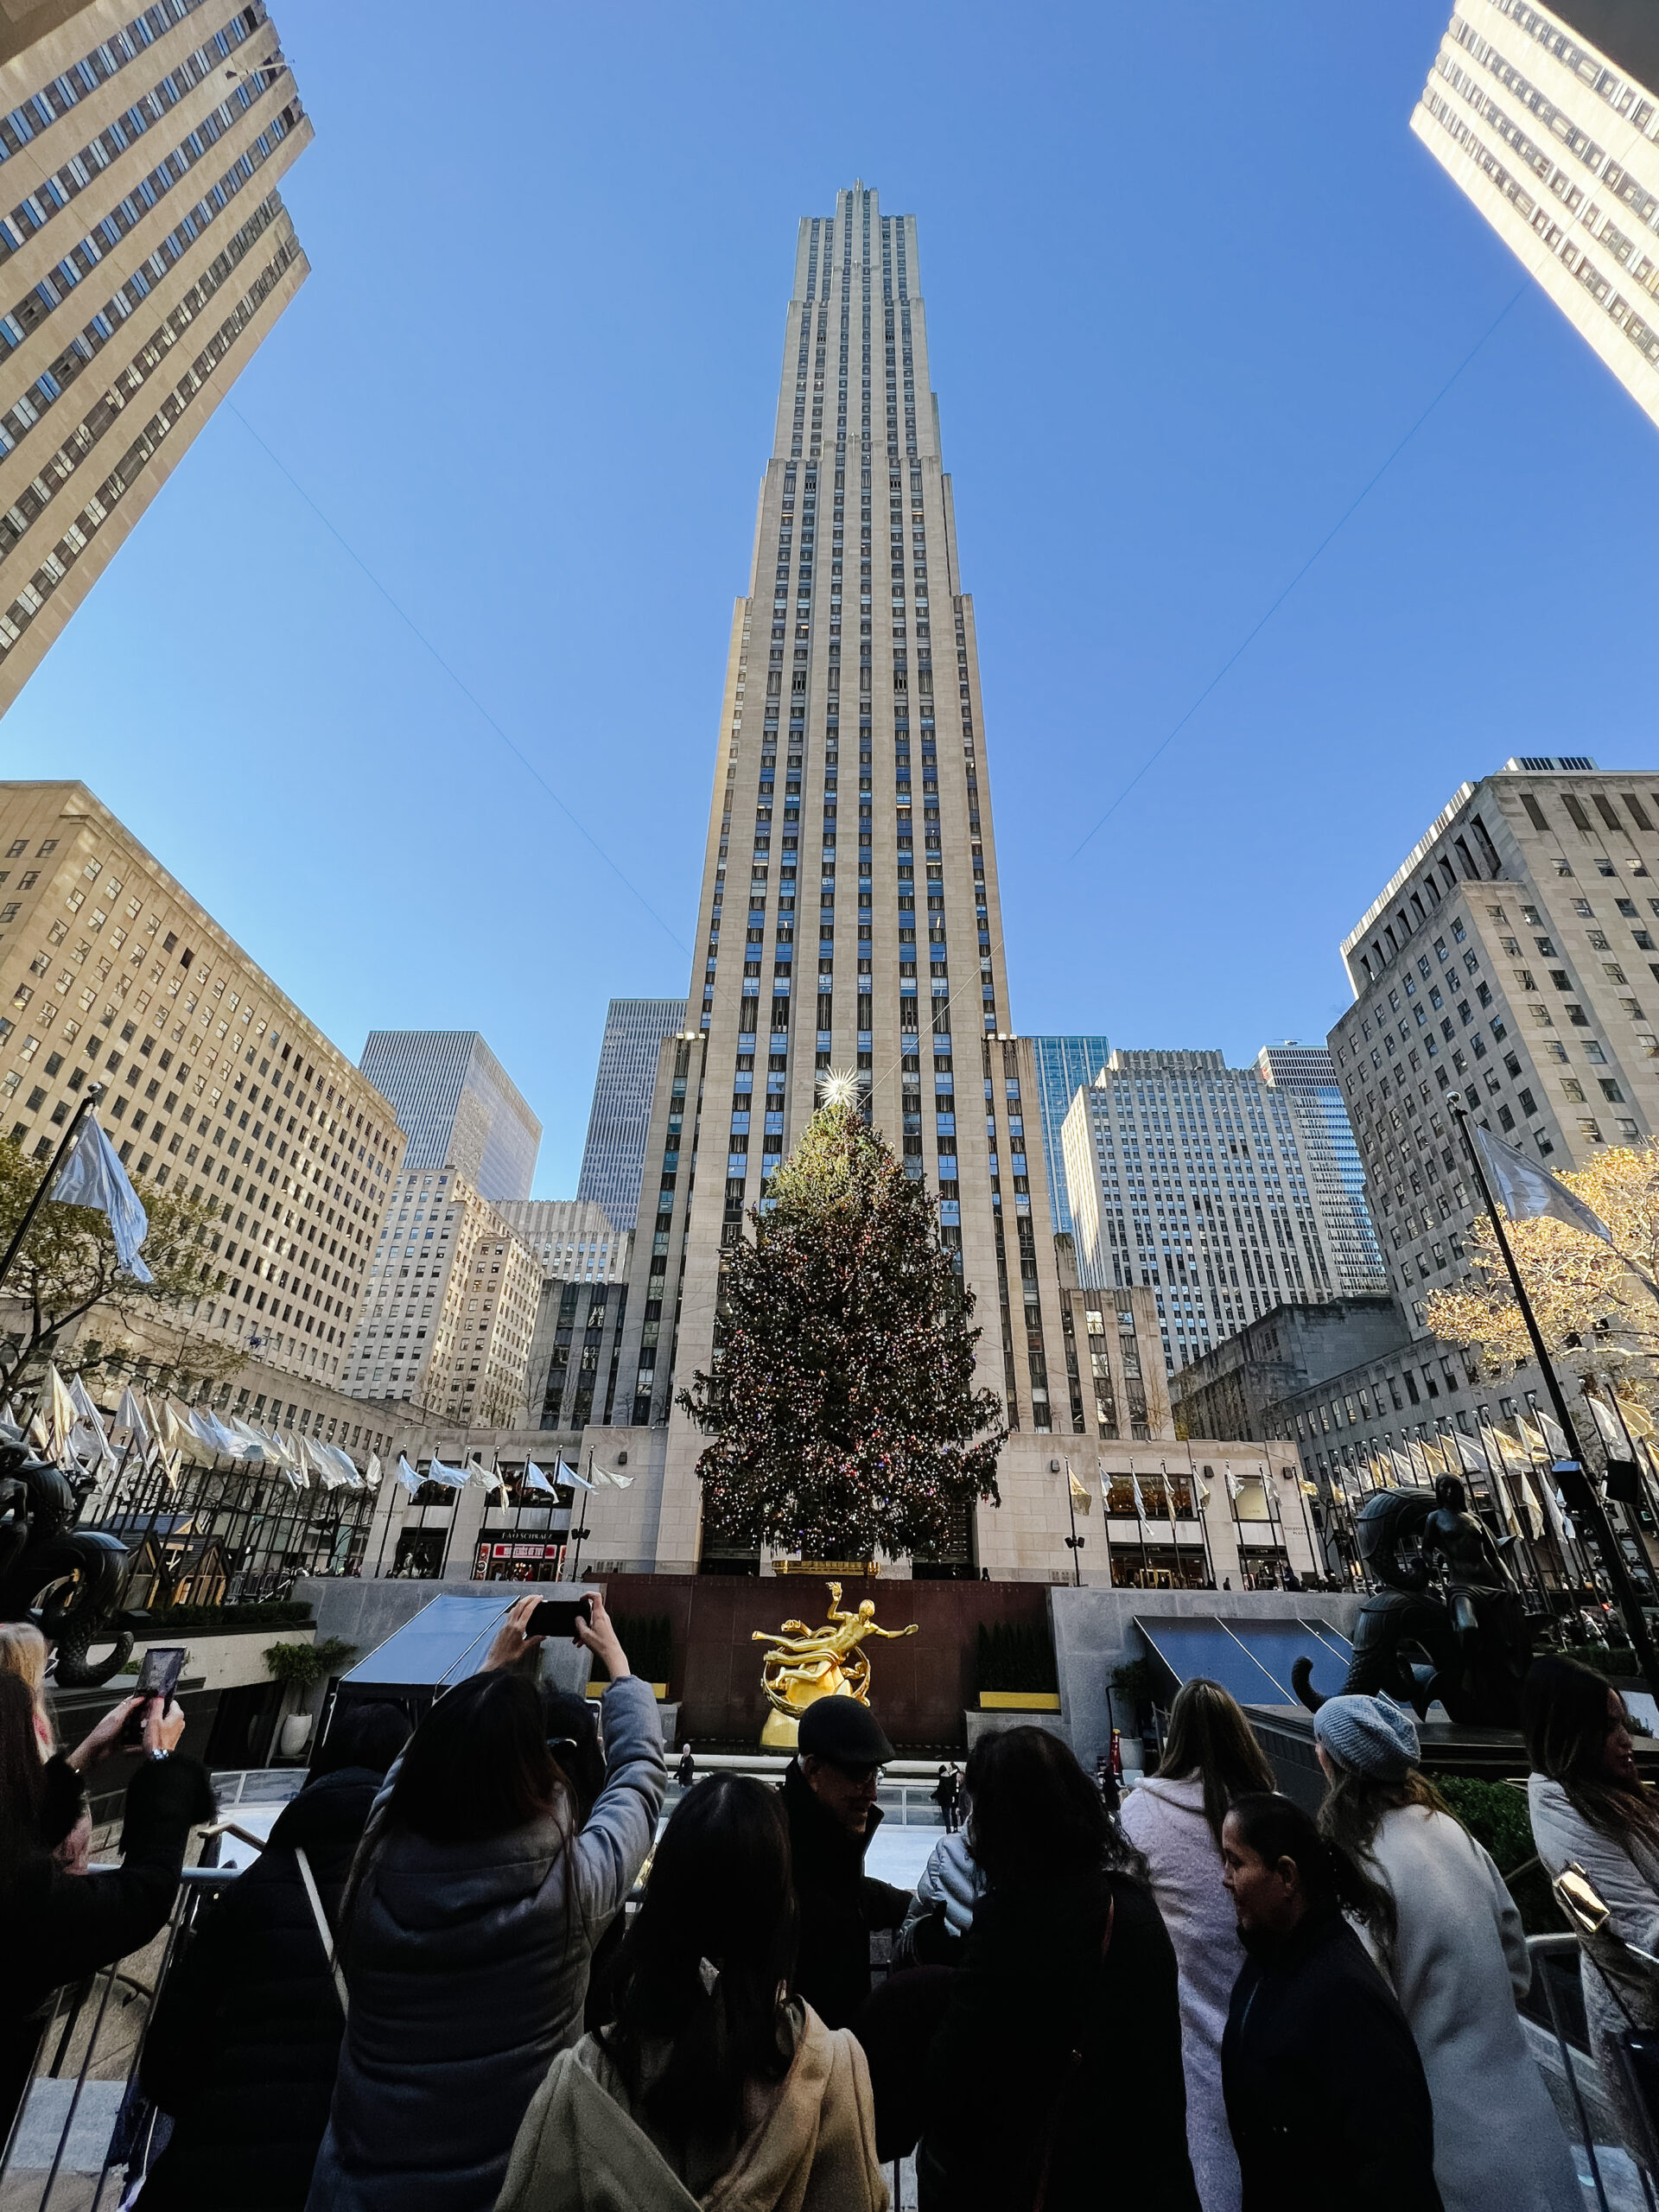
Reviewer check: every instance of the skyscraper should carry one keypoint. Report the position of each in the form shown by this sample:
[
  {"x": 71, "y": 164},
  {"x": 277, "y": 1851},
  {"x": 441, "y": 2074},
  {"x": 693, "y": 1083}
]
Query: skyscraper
[
  {"x": 1065, "y": 1064},
  {"x": 613, "y": 1160},
  {"x": 458, "y": 1107},
  {"x": 850, "y": 833},
  {"x": 1306, "y": 1076},
  {"x": 149, "y": 253},
  {"x": 1548, "y": 117},
  {"x": 1513, "y": 957}
]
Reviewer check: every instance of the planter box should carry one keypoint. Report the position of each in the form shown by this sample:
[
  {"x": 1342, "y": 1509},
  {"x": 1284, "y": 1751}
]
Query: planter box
[
  {"x": 1019, "y": 1700},
  {"x": 658, "y": 1690}
]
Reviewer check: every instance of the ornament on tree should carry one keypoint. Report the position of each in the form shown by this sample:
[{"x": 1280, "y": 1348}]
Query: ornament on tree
[{"x": 841, "y": 1400}]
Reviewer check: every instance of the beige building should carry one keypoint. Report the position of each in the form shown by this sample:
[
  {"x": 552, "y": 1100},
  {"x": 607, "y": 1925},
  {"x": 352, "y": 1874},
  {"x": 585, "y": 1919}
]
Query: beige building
[
  {"x": 1548, "y": 117},
  {"x": 451, "y": 1305},
  {"x": 212, "y": 1076},
  {"x": 1515, "y": 960},
  {"x": 573, "y": 1238},
  {"x": 147, "y": 253}
]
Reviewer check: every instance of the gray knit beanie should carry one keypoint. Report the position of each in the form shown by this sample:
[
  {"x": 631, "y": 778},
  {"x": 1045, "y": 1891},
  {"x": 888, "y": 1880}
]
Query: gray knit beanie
[{"x": 1368, "y": 1735}]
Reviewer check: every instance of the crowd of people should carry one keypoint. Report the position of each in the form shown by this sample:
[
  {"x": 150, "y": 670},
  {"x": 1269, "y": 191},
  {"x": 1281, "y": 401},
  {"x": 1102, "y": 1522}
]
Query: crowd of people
[{"x": 427, "y": 1989}]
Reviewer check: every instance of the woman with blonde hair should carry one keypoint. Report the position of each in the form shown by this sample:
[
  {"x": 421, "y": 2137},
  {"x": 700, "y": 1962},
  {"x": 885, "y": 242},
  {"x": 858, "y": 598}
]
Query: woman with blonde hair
[
  {"x": 1174, "y": 1819},
  {"x": 23, "y": 1652}
]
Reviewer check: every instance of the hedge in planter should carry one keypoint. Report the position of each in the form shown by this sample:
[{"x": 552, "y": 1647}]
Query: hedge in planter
[
  {"x": 303, "y": 1666},
  {"x": 1015, "y": 1655},
  {"x": 648, "y": 1640}
]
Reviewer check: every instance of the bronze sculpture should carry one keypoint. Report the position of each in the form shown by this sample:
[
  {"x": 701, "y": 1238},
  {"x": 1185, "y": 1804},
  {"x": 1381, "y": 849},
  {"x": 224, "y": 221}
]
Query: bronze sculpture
[
  {"x": 808, "y": 1664},
  {"x": 65, "y": 1580}
]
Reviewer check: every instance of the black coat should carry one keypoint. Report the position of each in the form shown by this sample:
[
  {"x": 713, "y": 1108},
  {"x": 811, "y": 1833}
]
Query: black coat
[
  {"x": 840, "y": 1903},
  {"x": 60, "y": 1927},
  {"x": 1326, "y": 2093},
  {"x": 243, "y": 2048},
  {"x": 1000, "y": 2082}
]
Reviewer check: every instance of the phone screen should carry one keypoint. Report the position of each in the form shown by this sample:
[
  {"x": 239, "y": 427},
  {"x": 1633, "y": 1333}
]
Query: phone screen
[
  {"x": 559, "y": 1616},
  {"x": 158, "y": 1676}
]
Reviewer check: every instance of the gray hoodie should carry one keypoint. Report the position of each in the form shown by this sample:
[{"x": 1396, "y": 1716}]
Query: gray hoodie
[{"x": 468, "y": 1973}]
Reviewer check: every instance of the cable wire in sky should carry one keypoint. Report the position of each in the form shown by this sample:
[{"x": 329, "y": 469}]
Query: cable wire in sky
[
  {"x": 1251, "y": 635},
  {"x": 471, "y": 698}
]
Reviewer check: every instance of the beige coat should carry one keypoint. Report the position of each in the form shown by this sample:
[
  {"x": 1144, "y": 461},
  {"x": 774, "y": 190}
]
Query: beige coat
[{"x": 813, "y": 2150}]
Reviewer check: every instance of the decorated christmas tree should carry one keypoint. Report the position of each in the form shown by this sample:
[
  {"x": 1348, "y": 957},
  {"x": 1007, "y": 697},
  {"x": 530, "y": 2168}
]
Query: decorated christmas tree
[{"x": 841, "y": 1404}]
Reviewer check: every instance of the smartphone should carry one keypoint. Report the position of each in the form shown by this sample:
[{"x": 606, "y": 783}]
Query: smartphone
[
  {"x": 158, "y": 1676},
  {"x": 559, "y": 1616}
]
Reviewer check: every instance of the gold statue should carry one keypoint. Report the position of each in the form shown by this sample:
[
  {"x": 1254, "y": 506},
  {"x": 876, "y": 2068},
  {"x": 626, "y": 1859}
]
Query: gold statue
[{"x": 807, "y": 1663}]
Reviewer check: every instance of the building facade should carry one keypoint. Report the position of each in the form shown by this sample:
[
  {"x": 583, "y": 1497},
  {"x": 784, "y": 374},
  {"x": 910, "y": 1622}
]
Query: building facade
[
  {"x": 1188, "y": 1178},
  {"x": 149, "y": 253},
  {"x": 619, "y": 1122},
  {"x": 850, "y": 834},
  {"x": 1307, "y": 1076},
  {"x": 1237, "y": 1388},
  {"x": 458, "y": 1106},
  {"x": 1514, "y": 960},
  {"x": 576, "y": 1357},
  {"x": 573, "y": 1238},
  {"x": 1065, "y": 1066},
  {"x": 213, "y": 1078},
  {"x": 450, "y": 1308},
  {"x": 1548, "y": 118}
]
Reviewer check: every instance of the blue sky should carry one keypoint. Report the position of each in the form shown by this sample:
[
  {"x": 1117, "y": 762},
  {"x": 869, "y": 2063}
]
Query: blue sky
[{"x": 1190, "y": 280}]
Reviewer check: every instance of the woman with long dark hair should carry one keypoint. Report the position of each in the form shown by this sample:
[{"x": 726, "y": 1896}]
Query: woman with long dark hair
[
  {"x": 712, "y": 2084},
  {"x": 468, "y": 1926},
  {"x": 1326, "y": 2093},
  {"x": 1060, "y": 2049},
  {"x": 1591, "y": 1808},
  {"x": 1458, "y": 1963},
  {"x": 1210, "y": 1757}
]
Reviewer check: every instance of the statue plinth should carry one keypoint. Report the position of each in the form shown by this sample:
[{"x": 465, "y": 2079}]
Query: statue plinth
[{"x": 805, "y": 1664}]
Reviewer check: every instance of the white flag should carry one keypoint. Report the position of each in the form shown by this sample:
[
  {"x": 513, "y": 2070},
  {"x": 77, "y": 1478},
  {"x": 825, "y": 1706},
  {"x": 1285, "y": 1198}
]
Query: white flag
[
  {"x": 130, "y": 1415},
  {"x": 407, "y": 1476},
  {"x": 1530, "y": 1193},
  {"x": 535, "y": 1479},
  {"x": 1139, "y": 1505},
  {"x": 1232, "y": 1480},
  {"x": 372, "y": 1472},
  {"x": 604, "y": 1475},
  {"x": 92, "y": 1176},
  {"x": 564, "y": 1473},
  {"x": 448, "y": 1477}
]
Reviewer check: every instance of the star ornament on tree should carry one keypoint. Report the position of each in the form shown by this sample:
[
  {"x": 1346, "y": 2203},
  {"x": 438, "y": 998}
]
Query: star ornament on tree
[{"x": 838, "y": 1087}]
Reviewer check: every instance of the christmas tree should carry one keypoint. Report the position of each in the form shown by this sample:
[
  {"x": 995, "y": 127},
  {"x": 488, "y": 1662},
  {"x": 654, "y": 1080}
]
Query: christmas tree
[{"x": 841, "y": 1404}]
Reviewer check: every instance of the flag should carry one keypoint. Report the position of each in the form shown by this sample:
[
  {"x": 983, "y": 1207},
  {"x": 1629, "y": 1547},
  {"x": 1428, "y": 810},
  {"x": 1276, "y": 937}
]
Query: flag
[
  {"x": 407, "y": 1476},
  {"x": 372, "y": 1472},
  {"x": 1232, "y": 1480},
  {"x": 1551, "y": 1432},
  {"x": 60, "y": 1413},
  {"x": 563, "y": 1474},
  {"x": 1080, "y": 1496},
  {"x": 603, "y": 1474},
  {"x": 1140, "y": 1503},
  {"x": 1534, "y": 1440},
  {"x": 1530, "y": 1193},
  {"x": 535, "y": 1479},
  {"x": 449, "y": 1477},
  {"x": 92, "y": 1176},
  {"x": 1473, "y": 1464},
  {"x": 1608, "y": 1427},
  {"x": 130, "y": 1415}
]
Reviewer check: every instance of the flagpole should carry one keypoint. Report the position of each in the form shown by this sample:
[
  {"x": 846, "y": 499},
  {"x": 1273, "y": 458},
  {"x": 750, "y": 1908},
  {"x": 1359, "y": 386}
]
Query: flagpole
[
  {"x": 1073, "y": 1542},
  {"x": 94, "y": 1092},
  {"x": 1585, "y": 1506}
]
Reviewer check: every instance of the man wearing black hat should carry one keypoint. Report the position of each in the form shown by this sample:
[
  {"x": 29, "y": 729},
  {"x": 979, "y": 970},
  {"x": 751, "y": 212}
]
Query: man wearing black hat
[{"x": 830, "y": 1797}]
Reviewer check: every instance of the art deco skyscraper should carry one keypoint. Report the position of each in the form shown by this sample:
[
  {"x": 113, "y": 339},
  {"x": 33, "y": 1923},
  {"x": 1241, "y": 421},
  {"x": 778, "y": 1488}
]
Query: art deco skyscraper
[
  {"x": 849, "y": 915},
  {"x": 146, "y": 253}
]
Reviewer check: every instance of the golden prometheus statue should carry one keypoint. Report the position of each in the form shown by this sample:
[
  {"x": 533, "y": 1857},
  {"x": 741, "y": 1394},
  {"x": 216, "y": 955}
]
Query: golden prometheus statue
[{"x": 807, "y": 1663}]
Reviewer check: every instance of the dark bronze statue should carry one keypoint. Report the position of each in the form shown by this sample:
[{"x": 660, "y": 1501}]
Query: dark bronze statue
[
  {"x": 1448, "y": 1622},
  {"x": 65, "y": 1580}
]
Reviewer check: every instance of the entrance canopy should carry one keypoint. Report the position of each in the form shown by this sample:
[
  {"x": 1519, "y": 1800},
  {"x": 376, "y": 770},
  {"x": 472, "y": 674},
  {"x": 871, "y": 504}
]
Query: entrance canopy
[{"x": 1250, "y": 1657}]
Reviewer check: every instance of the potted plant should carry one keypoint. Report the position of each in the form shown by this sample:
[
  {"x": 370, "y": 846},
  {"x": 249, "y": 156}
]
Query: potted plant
[
  {"x": 649, "y": 1641},
  {"x": 1014, "y": 1669},
  {"x": 299, "y": 1667}
]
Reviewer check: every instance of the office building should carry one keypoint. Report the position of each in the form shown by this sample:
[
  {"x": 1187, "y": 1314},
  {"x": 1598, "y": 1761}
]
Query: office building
[
  {"x": 619, "y": 1122},
  {"x": 1548, "y": 118},
  {"x": 459, "y": 1106},
  {"x": 1065, "y": 1064},
  {"x": 1236, "y": 1388},
  {"x": 451, "y": 1307},
  {"x": 149, "y": 253},
  {"x": 850, "y": 833},
  {"x": 1513, "y": 962},
  {"x": 212, "y": 1076},
  {"x": 573, "y": 1238},
  {"x": 576, "y": 1356},
  {"x": 1306, "y": 1076},
  {"x": 1190, "y": 1177}
]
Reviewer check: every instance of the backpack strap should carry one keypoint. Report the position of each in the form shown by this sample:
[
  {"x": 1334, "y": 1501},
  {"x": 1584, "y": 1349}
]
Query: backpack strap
[{"x": 315, "y": 1901}]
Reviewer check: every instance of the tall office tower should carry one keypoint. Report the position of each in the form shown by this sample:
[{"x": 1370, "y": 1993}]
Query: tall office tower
[
  {"x": 1065, "y": 1065},
  {"x": 613, "y": 1160},
  {"x": 1509, "y": 960},
  {"x": 149, "y": 252},
  {"x": 458, "y": 1106},
  {"x": 1187, "y": 1175},
  {"x": 820, "y": 899},
  {"x": 574, "y": 1239},
  {"x": 1306, "y": 1075},
  {"x": 212, "y": 1077},
  {"x": 1548, "y": 117},
  {"x": 450, "y": 1306}
]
